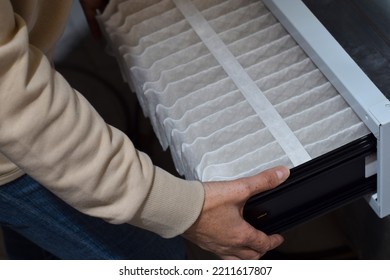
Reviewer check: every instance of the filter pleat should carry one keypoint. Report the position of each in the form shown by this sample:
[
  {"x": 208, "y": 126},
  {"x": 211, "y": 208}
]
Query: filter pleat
[{"x": 198, "y": 109}]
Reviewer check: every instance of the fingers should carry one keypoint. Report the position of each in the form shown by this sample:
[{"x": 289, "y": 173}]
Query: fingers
[
  {"x": 220, "y": 227},
  {"x": 261, "y": 242},
  {"x": 90, "y": 8},
  {"x": 252, "y": 245},
  {"x": 257, "y": 250},
  {"x": 243, "y": 254},
  {"x": 266, "y": 180},
  {"x": 266, "y": 243}
]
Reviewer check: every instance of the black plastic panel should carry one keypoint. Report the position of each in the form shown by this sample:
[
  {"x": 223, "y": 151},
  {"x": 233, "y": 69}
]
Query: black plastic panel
[{"x": 314, "y": 188}]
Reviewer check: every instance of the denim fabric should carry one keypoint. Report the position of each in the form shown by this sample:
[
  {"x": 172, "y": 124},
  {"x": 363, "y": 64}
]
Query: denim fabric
[{"x": 35, "y": 213}]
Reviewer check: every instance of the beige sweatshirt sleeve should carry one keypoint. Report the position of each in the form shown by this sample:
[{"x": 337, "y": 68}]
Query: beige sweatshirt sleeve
[{"x": 53, "y": 134}]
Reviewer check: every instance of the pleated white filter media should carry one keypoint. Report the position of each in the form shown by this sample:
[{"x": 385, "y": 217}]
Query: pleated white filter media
[{"x": 226, "y": 88}]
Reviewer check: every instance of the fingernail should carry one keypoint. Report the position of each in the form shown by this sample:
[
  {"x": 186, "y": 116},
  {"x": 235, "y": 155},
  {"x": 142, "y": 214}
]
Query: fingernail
[{"x": 282, "y": 173}]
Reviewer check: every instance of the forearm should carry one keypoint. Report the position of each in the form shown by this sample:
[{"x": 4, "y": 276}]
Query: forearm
[{"x": 51, "y": 132}]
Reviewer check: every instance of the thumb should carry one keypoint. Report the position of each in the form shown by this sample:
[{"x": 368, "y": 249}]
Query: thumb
[{"x": 267, "y": 180}]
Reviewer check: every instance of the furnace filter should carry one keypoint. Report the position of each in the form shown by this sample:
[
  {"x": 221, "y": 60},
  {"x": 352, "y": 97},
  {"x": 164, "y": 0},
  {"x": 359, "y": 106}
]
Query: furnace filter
[{"x": 199, "y": 110}]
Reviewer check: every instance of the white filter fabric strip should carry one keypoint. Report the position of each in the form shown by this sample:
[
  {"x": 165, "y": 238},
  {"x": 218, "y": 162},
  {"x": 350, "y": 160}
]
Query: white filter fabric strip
[
  {"x": 271, "y": 118},
  {"x": 195, "y": 107}
]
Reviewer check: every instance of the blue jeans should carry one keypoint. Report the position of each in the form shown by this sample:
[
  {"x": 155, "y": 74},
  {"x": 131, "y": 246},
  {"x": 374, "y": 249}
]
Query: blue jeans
[{"x": 35, "y": 213}]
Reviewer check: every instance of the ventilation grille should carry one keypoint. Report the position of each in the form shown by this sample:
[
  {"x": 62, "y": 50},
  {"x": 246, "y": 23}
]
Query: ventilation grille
[{"x": 213, "y": 130}]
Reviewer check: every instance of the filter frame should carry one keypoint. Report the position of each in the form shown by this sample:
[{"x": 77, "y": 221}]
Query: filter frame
[{"x": 315, "y": 188}]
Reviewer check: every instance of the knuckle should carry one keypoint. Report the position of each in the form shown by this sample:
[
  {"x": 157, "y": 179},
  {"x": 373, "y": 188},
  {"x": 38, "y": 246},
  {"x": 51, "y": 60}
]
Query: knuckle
[
  {"x": 247, "y": 190},
  {"x": 241, "y": 240},
  {"x": 263, "y": 244},
  {"x": 271, "y": 179}
]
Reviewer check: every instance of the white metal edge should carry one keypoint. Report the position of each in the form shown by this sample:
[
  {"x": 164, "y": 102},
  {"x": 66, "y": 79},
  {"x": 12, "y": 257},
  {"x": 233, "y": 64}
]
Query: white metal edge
[
  {"x": 358, "y": 90},
  {"x": 380, "y": 202},
  {"x": 330, "y": 58}
]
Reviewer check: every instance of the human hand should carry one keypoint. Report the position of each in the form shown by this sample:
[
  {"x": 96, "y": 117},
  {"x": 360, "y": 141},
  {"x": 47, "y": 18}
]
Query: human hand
[
  {"x": 90, "y": 8},
  {"x": 221, "y": 229}
]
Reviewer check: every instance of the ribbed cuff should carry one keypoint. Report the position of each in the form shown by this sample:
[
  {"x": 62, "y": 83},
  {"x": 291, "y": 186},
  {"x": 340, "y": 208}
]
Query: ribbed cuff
[{"x": 172, "y": 206}]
